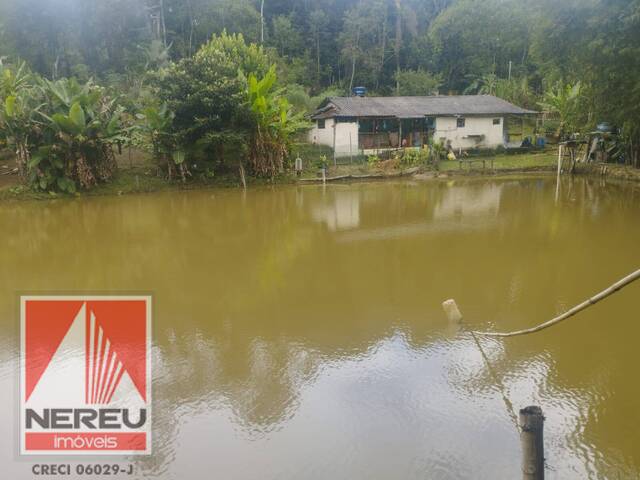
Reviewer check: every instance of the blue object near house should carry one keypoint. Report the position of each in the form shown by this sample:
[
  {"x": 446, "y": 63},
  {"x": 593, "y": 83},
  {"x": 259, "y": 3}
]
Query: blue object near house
[{"x": 359, "y": 91}]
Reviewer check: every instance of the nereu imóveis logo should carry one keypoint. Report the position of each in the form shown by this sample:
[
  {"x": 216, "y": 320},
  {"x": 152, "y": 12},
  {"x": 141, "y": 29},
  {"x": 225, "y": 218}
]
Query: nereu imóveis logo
[{"x": 85, "y": 375}]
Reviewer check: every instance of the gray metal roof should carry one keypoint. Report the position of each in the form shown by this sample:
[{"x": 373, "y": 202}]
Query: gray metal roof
[{"x": 415, "y": 107}]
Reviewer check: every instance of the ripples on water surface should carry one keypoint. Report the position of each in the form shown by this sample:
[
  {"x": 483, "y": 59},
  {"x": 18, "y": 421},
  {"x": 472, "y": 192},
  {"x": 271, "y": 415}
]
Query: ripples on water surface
[{"x": 298, "y": 331}]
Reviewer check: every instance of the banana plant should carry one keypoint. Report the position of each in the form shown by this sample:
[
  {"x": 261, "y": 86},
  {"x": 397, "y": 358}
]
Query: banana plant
[
  {"x": 564, "y": 100},
  {"x": 12, "y": 81},
  {"x": 274, "y": 124},
  {"x": 82, "y": 125},
  {"x": 19, "y": 103},
  {"x": 63, "y": 131}
]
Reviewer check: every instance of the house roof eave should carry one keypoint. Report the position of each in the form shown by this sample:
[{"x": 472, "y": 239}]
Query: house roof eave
[{"x": 418, "y": 107}]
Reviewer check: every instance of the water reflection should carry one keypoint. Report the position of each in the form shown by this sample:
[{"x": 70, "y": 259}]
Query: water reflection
[
  {"x": 463, "y": 201},
  {"x": 449, "y": 207},
  {"x": 392, "y": 394},
  {"x": 298, "y": 330},
  {"x": 341, "y": 212}
]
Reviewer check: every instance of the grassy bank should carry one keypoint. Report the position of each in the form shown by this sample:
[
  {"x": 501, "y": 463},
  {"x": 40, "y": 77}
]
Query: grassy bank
[
  {"x": 136, "y": 180},
  {"x": 469, "y": 166},
  {"x": 143, "y": 178}
]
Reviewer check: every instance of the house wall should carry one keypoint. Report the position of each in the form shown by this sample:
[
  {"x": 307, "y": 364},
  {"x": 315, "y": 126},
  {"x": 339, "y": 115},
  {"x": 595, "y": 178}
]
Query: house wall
[
  {"x": 322, "y": 136},
  {"x": 447, "y": 129},
  {"x": 344, "y": 133}
]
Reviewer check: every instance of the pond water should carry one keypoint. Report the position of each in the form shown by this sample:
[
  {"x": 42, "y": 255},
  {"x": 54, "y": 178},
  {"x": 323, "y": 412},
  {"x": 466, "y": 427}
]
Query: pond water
[{"x": 298, "y": 330}]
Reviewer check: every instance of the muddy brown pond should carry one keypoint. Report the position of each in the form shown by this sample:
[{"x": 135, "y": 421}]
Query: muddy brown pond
[{"x": 298, "y": 331}]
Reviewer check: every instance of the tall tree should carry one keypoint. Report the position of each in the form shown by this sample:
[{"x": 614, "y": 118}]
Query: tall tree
[
  {"x": 398, "y": 42},
  {"x": 262, "y": 21},
  {"x": 317, "y": 24}
]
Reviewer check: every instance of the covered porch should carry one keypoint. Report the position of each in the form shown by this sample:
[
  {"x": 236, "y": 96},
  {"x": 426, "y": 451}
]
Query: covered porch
[{"x": 380, "y": 133}]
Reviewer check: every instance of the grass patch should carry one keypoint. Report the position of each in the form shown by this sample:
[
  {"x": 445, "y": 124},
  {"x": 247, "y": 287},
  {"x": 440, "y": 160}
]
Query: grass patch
[{"x": 527, "y": 161}]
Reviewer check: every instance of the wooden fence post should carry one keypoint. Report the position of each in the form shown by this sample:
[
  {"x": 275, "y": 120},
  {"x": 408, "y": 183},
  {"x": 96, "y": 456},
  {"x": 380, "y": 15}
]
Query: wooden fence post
[
  {"x": 531, "y": 427},
  {"x": 452, "y": 311},
  {"x": 560, "y": 155}
]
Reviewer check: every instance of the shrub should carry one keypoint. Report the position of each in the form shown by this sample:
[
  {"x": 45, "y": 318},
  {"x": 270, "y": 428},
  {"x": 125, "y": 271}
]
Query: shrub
[
  {"x": 226, "y": 106},
  {"x": 321, "y": 162},
  {"x": 207, "y": 95},
  {"x": 412, "y": 157},
  {"x": 158, "y": 137},
  {"x": 373, "y": 160}
]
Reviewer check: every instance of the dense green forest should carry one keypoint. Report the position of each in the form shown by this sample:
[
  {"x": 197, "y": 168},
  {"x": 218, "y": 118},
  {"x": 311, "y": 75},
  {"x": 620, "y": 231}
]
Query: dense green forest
[{"x": 579, "y": 59}]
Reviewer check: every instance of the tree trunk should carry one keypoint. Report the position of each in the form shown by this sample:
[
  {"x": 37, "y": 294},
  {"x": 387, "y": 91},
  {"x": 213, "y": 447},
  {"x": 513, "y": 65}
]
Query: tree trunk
[
  {"x": 353, "y": 60},
  {"x": 383, "y": 48},
  {"x": 262, "y": 22},
  {"x": 190, "y": 11},
  {"x": 398, "y": 42},
  {"x": 22, "y": 159},
  {"x": 162, "y": 24},
  {"x": 242, "y": 175},
  {"x": 318, "y": 57}
]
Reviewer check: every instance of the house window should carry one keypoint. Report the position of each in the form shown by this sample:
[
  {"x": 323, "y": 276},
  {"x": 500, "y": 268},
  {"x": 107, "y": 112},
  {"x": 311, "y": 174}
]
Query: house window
[
  {"x": 496, "y": 121},
  {"x": 387, "y": 125},
  {"x": 366, "y": 126},
  {"x": 460, "y": 122},
  {"x": 321, "y": 123}
]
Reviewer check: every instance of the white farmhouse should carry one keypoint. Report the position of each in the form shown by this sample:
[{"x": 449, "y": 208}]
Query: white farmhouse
[{"x": 359, "y": 124}]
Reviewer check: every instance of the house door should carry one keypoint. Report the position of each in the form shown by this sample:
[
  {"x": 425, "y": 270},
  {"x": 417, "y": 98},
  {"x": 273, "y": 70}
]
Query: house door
[
  {"x": 416, "y": 132},
  {"x": 411, "y": 132}
]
